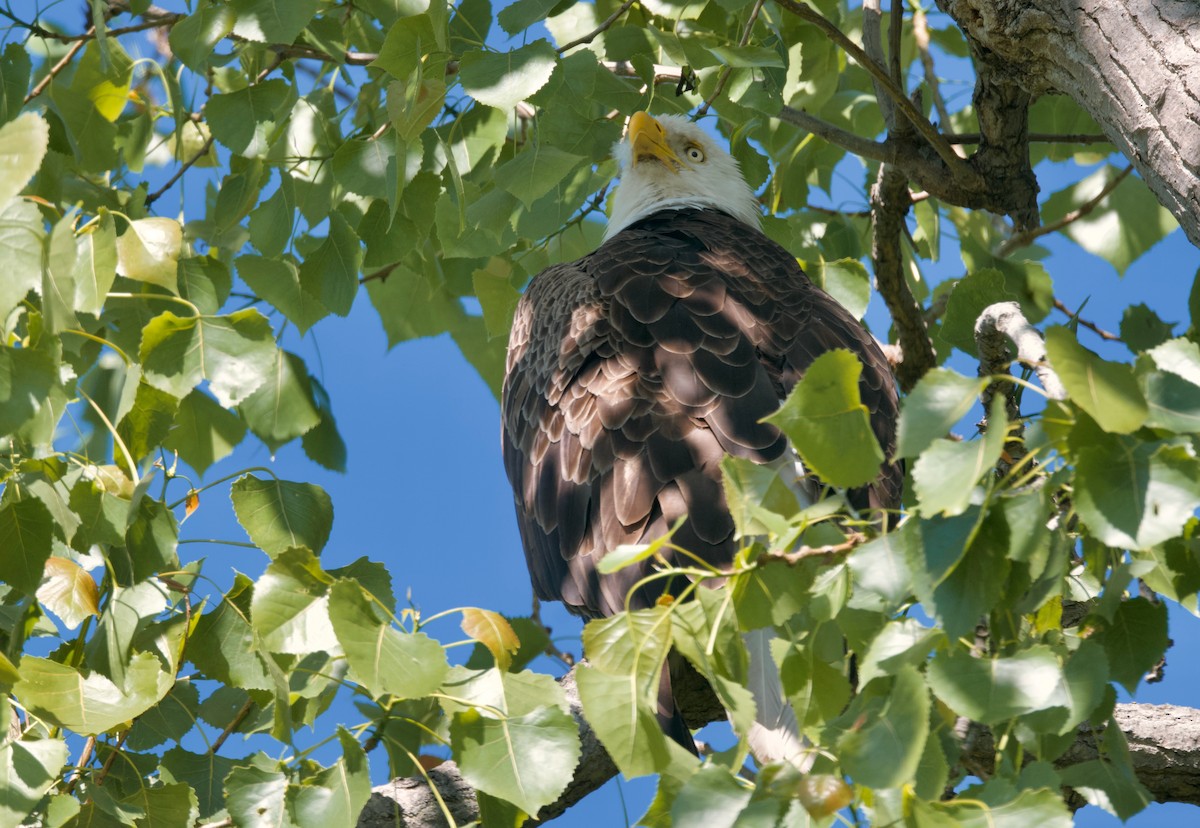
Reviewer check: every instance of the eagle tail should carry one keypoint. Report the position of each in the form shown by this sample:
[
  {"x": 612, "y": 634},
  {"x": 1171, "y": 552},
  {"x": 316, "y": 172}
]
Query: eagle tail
[
  {"x": 669, "y": 718},
  {"x": 775, "y": 734}
]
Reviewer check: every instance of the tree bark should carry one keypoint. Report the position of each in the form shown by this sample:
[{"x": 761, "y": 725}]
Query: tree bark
[
  {"x": 1164, "y": 743},
  {"x": 1133, "y": 65}
]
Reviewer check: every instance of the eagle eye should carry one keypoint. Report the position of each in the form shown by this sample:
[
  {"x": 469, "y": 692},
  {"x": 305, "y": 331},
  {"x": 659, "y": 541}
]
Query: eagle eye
[{"x": 694, "y": 153}]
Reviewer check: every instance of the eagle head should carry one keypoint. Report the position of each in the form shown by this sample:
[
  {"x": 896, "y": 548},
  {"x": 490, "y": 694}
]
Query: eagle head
[{"x": 670, "y": 162}]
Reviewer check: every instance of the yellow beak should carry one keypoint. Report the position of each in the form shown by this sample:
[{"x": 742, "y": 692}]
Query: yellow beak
[{"x": 649, "y": 142}]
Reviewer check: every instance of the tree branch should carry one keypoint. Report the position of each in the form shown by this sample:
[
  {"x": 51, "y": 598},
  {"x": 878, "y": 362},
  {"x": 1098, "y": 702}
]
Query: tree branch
[
  {"x": 599, "y": 30},
  {"x": 889, "y": 204},
  {"x": 1164, "y": 744},
  {"x": 1027, "y": 237},
  {"x": 927, "y": 130},
  {"x": 996, "y": 327}
]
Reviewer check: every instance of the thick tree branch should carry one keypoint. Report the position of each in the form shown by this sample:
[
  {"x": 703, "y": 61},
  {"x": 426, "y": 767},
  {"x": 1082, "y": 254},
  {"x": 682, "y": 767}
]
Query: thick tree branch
[
  {"x": 889, "y": 204},
  {"x": 1002, "y": 323},
  {"x": 1135, "y": 68},
  {"x": 1164, "y": 743}
]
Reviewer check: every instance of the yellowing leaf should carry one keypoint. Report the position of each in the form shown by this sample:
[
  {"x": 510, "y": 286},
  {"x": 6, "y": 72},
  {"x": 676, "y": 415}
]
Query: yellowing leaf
[
  {"x": 23, "y": 144},
  {"x": 69, "y": 591},
  {"x": 149, "y": 251},
  {"x": 492, "y": 630}
]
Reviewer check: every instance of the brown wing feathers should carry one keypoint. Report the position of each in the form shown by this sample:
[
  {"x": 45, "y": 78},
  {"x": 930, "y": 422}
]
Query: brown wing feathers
[{"x": 632, "y": 371}]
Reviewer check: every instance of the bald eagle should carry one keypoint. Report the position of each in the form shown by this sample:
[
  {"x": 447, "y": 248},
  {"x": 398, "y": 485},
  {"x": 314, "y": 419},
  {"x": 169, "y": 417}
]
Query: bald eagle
[{"x": 632, "y": 371}]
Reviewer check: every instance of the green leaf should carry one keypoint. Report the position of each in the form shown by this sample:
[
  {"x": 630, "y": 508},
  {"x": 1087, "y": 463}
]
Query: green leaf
[
  {"x": 21, "y": 241},
  {"x": 382, "y": 659},
  {"x": 940, "y": 399},
  {"x": 880, "y": 566},
  {"x": 149, "y": 251},
  {"x": 245, "y": 121},
  {"x": 15, "y": 69},
  {"x": 272, "y": 220},
  {"x": 846, "y": 280},
  {"x": 1127, "y": 222},
  {"x": 224, "y": 647},
  {"x": 337, "y": 794},
  {"x": 103, "y": 516},
  {"x": 623, "y": 720},
  {"x": 90, "y": 704},
  {"x": 26, "y": 534},
  {"x": 946, "y": 473},
  {"x": 323, "y": 444},
  {"x": 712, "y": 797},
  {"x": 23, "y": 144},
  {"x": 203, "y": 772},
  {"x": 205, "y": 282},
  {"x": 256, "y": 797},
  {"x": 26, "y": 379},
  {"x": 412, "y": 107},
  {"x": 828, "y": 424},
  {"x": 1107, "y": 391},
  {"x": 1141, "y": 329},
  {"x": 204, "y": 432},
  {"x": 169, "y": 720},
  {"x": 1043, "y": 808},
  {"x": 283, "y": 407},
  {"x": 527, "y": 760},
  {"x": 967, "y": 301},
  {"x": 235, "y": 353},
  {"x": 407, "y": 41},
  {"x": 1135, "y": 640},
  {"x": 28, "y": 767},
  {"x": 531, "y": 174},
  {"x": 1106, "y": 785},
  {"x": 361, "y": 165},
  {"x": 496, "y": 295},
  {"x": 505, "y": 79},
  {"x": 959, "y": 567},
  {"x": 278, "y": 282},
  {"x": 290, "y": 610},
  {"x": 1133, "y": 494},
  {"x": 522, "y": 14},
  {"x": 194, "y": 38},
  {"x": 95, "y": 265},
  {"x": 992, "y": 690},
  {"x": 273, "y": 21},
  {"x": 330, "y": 273},
  {"x": 885, "y": 749},
  {"x": 279, "y": 515},
  {"x": 901, "y": 643},
  {"x": 58, "y": 277}
]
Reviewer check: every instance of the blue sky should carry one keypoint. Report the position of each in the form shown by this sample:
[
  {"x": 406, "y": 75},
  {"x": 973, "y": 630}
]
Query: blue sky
[{"x": 425, "y": 491}]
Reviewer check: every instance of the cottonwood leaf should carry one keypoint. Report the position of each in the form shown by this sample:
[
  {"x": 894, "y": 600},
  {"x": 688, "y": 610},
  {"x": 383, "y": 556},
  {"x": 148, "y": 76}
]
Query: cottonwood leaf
[
  {"x": 148, "y": 251},
  {"x": 504, "y": 79},
  {"x": 23, "y": 143},
  {"x": 1107, "y": 391},
  {"x": 940, "y": 399},
  {"x": 382, "y": 659},
  {"x": 279, "y": 514},
  {"x": 88, "y": 703},
  {"x": 827, "y": 423},
  {"x": 234, "y": 353}
]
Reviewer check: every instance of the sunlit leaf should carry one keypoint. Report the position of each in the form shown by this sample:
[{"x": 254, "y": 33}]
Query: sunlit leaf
[
  {"x": 23, "y": 142},
  {"x": 279, "y": 514},
  {"x": 1106, "y": 390},
  {"x": 505, "y": 79}
]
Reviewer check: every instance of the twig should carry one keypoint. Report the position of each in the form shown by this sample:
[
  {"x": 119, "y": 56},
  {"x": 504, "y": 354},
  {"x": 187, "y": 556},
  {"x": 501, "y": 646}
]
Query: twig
[
  {"x": 165, "y": 21},
  {"x": 728, "y": 70},
  {"x": 1025, "y": 238},
  {"x": 599, "y": 30},
  {"x": 872, "y": 36},
  {"x": 1038, "y": 137},
  {"x": 116, "y": 749},
  {"x": 170, "y": 182},
  {"x": 1091, "y": 326},
  {"x": 829, "y": 550},
  {"x": 232, "y": 726},
  {"x": 921, "y": 36},
  {"x": 662, "y": 74},
  {"x": 863, "y": 147},
  {"x": 1003, "y": 322},
  {"x": 957, "y": 166},
  {"x": 178, "y": 174},
  {"x": 58, "y": 67}
]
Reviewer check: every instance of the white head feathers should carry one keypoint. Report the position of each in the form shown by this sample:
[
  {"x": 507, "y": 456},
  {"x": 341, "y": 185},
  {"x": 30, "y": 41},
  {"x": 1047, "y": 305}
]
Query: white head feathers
[{"x": 671, "y": 162}]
